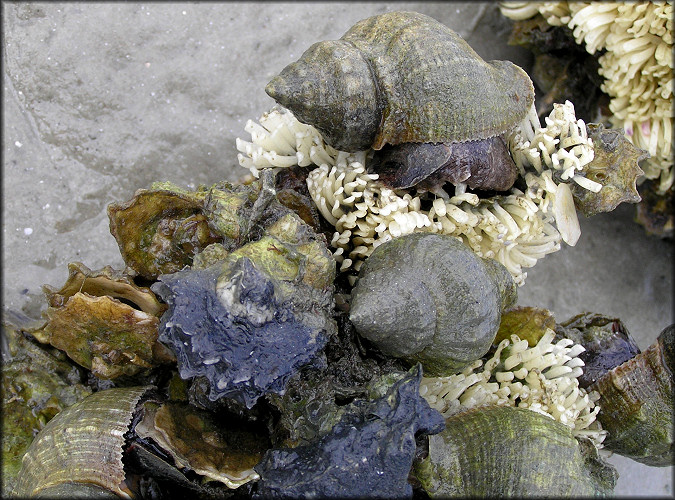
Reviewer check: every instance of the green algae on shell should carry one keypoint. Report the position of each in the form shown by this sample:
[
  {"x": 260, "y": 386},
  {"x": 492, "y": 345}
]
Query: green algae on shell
[
  {"x": 502, "y": 451},
  {"x": 248, "y": 322},
  {"x": 104, "y": 322},
  {"x": 38, "y": 382},
  {"x": 429, "y": 298},
  {"x": 160, "y": 229}
]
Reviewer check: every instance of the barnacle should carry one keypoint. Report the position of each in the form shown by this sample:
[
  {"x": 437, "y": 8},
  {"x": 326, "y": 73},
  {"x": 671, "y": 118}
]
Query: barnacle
[
  {"x": 637, "y": 66},
  {"x": 516, "y": 228},
  {"x": 542, "y": 378}
]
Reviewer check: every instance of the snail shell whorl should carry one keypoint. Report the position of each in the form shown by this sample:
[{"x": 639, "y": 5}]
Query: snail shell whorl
[
  {"x": 429, "y": 298},
  {"x": 332, "y": 88},
  {"x": 430, "y": 86}
]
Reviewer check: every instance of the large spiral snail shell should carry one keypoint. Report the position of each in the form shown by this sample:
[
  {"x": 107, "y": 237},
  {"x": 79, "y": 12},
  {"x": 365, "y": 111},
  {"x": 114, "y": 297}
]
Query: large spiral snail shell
[{"x": 402, "y": 77}]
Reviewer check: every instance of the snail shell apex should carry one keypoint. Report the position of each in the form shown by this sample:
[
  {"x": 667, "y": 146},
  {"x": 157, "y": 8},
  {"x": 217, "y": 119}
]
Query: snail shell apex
[{"x": 402, "y": 77}]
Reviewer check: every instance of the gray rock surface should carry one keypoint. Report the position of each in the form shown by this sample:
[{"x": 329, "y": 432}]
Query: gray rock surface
[{"x": 101, "y": 99}]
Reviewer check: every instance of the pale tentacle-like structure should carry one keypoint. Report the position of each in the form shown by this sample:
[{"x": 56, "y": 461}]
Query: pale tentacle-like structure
[
  {"x": 542, "y": 378},
  {"x": 516, "y": 228},
  {"x": 637, "y": 67}
]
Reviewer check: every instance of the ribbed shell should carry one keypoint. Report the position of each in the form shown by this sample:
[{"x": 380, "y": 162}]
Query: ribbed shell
[
  {"x": 82, "y": 444},
  {"x": 435, "y": 87},
  {"x": 402, "y": 77},
  {"x": 636, "y": 404},
  {"x": 511, "y": 452}
]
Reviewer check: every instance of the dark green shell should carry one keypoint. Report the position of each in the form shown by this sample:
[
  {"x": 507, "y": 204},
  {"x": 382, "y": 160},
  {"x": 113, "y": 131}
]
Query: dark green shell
[{"x": 402, "y": 77}]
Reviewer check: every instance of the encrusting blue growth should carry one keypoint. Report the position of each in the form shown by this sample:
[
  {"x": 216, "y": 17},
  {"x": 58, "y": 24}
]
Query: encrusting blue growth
[
  {"x": 368, "y": 453},
  {"x": 245, "y": 348}
]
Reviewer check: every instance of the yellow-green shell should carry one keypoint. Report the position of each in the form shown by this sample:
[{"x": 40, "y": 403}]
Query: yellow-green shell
[
  {"x": 81, "y": 445},
  {"x": 503, "y": 451}
]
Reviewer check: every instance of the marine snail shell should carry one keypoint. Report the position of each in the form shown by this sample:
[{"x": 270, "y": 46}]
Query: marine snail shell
[
  {"x": 79, "y": 452},
  {"x": 503, "y": 451},
  {"x": 484, "y": 164},
  {"x": 402, "y": 77},
  {"x": 428, "y": 297},
  {"x": 636, "y": 404}
]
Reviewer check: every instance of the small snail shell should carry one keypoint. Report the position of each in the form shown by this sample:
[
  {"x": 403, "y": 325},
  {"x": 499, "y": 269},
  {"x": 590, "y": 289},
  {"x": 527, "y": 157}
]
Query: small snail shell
[
  {"x": 429, "y": 298},
  {"x": 79, "y": 451},
  {"x": 402, "y": 77}
]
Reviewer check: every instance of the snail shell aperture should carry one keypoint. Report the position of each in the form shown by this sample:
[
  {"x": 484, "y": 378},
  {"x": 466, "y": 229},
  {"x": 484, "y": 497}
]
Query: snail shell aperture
[{"x": 402, "y": 77}]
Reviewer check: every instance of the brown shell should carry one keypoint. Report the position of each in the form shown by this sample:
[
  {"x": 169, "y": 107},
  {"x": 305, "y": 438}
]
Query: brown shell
[
  {"x": 485, "y": 164},
  {"x": 402, "y": 77},
  {"x": 636, "y": 404},
  {"x": 82, "y": 444}
]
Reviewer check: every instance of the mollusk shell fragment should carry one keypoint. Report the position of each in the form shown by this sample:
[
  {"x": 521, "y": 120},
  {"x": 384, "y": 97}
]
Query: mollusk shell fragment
[
  {"x": 636, "y": 401},
  {"x": 81, "y": 445}
]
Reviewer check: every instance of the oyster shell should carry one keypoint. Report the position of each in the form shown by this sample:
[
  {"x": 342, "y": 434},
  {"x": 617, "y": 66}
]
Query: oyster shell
[
  {"x": 250, "y": 321},
  {"x": 88, "y": 319},
  {"x": 160, "y": 229},
  {"x": 429, "y": 298},
  {"x": 368, "y": 453},
  {"x": 196, "y": 441}
]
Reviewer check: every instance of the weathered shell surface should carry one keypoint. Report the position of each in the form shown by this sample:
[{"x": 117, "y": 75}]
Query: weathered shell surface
[
  {"x": 402, "y": 77},
  {"x": 368, "y": 453},
  {"x": 82, "y": 444},
  {"x": 429, "y": 298},
  {"x": 250, "y": 321},
  {"x": 88, "y": 320},
  {"x": 502, "y": 451},
  {"x": 615, "y": 165},
  {"x": 636, "y": 404},
  {"x": 484, "y": 164},
  {"x": 196, "y": 441}
]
